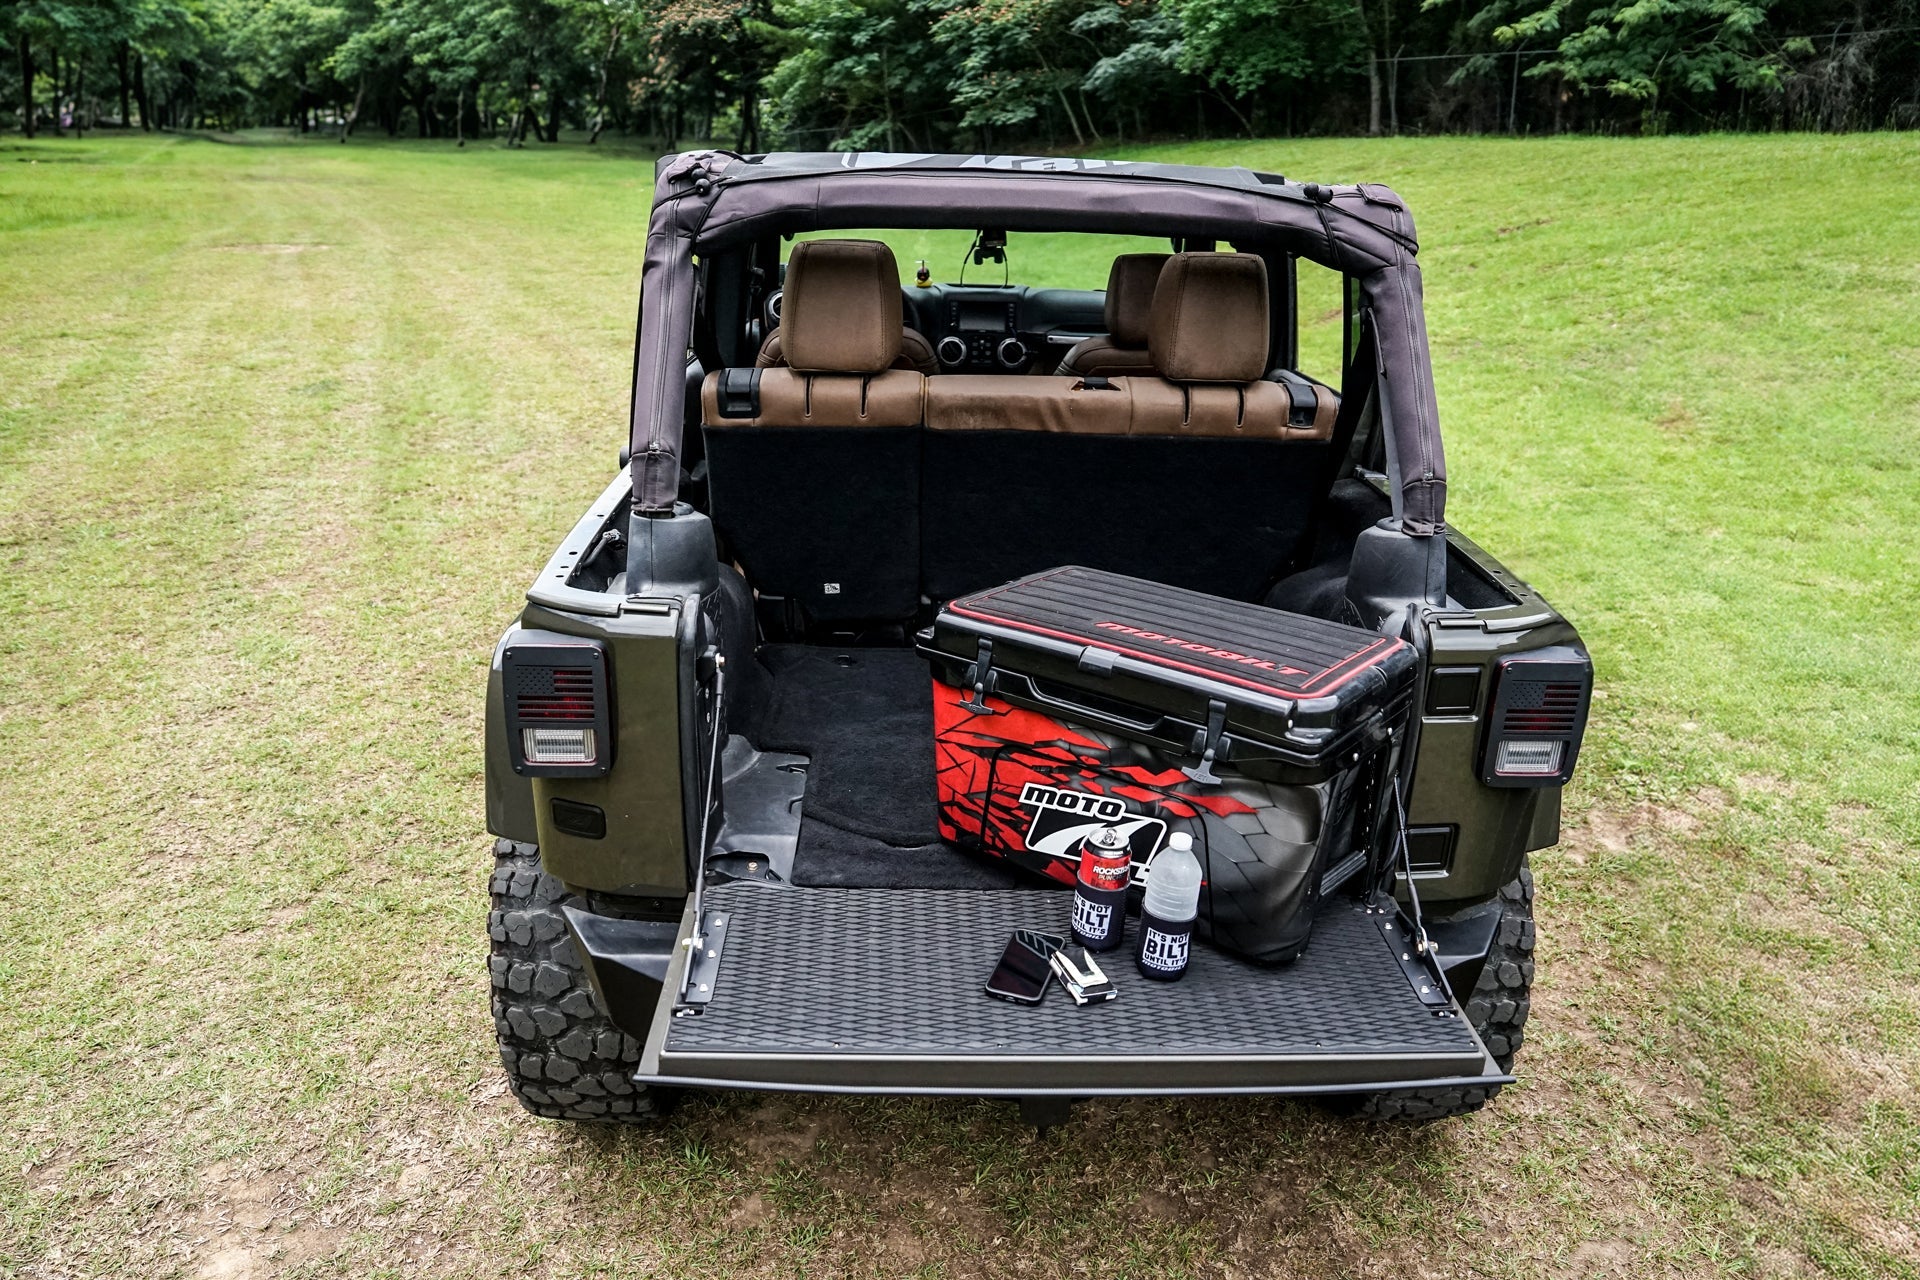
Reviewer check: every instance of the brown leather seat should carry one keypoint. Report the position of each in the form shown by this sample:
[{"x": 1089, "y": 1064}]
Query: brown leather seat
[
  {"x": 916, "y": 353},
  {"x": 1206, "y": 478},
  {"x": 1123, "y": 348},
  {"x": 813, "y": 469},
  {"x": 1208, "y": 337}
]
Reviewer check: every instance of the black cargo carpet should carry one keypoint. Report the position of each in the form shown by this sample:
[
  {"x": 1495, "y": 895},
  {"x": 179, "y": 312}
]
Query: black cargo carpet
[{"x": 864, "y": 718}]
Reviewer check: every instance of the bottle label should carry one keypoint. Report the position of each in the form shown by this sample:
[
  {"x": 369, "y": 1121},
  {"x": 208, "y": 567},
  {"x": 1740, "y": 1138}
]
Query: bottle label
[{"x": 1165, "y": 952}]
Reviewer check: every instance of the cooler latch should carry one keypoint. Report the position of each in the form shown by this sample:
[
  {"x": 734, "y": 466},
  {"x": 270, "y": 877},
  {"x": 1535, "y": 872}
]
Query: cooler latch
[
  {"x": 984, "y": 680},
  {"x": 1210, "y": 744}
]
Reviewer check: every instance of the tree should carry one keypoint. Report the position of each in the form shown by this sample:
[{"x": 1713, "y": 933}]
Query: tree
[
  {"x": 856, "y": 74},
  {"x": 1641, "y": 49},
  {"x": 1138, "y": 52},
  {"x": 1013, "y": 61},
  {"x": 1253, "y": 47}
]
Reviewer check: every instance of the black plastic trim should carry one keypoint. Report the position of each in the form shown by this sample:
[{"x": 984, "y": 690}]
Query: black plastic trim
[
  {"x": 738, "y": 393},
  {"x": 587, "y": 821},
  {"x": 1453, "y": 691},
  {"x": 626, "y": 963}
]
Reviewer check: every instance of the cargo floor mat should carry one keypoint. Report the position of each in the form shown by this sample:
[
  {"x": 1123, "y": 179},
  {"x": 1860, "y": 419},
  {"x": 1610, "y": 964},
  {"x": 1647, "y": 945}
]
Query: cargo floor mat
[{"x": 864, "y": 719}]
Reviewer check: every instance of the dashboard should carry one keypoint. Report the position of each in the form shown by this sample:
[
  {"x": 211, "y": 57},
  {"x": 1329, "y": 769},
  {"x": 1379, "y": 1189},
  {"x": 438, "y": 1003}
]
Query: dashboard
[
  {"x": 997, "y": 328},
  {"x": 1004, "y": 328}
]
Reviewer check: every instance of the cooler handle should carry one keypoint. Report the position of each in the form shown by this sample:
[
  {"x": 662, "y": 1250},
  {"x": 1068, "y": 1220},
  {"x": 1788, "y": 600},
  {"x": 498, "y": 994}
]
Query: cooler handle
[{"x": 1084, "y": 712}]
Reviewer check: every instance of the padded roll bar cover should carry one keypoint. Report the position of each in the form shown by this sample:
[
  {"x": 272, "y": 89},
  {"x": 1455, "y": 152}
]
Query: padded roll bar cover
[
  {"x": 1210, "y": 318},
  {"x": 841, "y": 311}
]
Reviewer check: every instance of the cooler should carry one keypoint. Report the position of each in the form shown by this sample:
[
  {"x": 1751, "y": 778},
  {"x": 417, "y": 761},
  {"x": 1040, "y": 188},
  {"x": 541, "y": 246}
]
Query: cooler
[{"x": 1076, "y": 699}]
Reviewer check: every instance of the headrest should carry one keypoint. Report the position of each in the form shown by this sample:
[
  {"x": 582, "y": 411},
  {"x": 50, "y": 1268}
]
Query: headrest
[
  {"x": 1210, "y": 318},
  {"x": 1130, "y": 296},
  {"x": 841, "y": 309}
]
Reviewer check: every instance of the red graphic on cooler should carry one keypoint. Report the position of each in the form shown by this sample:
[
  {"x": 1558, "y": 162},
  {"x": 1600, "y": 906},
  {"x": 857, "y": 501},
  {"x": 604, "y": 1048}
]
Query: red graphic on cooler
[{"x": 984, "y": 764}]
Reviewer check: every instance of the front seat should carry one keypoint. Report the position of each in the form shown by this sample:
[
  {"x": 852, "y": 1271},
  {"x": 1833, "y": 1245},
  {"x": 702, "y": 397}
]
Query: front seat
[{"x": 1123, "y": 349}]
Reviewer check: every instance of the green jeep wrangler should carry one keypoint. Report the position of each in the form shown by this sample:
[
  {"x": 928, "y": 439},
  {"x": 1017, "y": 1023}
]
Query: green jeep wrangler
[{"x": 905, "y": 589}]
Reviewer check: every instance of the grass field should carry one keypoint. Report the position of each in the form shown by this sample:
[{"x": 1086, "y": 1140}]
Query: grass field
[{"x": 286, "y": 430}]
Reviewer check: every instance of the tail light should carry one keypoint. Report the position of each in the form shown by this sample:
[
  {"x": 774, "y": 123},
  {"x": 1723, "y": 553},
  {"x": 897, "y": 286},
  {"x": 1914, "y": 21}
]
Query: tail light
[
  {"x": 559, "y": 717},
  {"x": 1538, "y": 717}
]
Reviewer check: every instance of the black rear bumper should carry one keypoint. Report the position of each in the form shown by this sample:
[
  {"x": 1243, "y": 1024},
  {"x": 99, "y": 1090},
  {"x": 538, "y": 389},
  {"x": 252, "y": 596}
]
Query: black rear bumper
[{"x": 879, "y": 991}]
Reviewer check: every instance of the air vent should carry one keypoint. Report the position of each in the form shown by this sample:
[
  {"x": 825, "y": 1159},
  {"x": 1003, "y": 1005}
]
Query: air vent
[{"x": 557, "y": 705}]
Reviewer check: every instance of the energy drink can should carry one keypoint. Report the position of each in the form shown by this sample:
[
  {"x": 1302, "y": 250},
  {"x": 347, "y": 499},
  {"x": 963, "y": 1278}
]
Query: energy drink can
[{"x": 1100, "y": 889}]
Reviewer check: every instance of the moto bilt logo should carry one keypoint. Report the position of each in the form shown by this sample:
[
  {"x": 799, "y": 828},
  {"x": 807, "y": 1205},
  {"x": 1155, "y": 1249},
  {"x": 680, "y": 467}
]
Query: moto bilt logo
[
  {"x": 1104, "y": 808},
  {"x": 1207, "y": 650},
  {"x": 1062, "y": 819}
]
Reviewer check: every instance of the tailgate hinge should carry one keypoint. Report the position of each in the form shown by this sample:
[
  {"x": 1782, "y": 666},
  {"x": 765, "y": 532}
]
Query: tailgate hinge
[
  {"x": 1421, "y": 968},
  {"x": 703, "y": 958}
]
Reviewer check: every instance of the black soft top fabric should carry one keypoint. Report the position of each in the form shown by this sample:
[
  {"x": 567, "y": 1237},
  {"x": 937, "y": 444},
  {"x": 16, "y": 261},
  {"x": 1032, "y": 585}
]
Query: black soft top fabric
[{"x": 705, "y": 201}]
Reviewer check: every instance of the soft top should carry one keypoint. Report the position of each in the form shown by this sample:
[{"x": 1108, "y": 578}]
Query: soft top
[{"x": 706, "y": 201}]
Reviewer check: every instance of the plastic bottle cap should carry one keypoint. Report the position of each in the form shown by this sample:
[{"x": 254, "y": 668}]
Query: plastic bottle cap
[{"x": 1180, "y": 840}]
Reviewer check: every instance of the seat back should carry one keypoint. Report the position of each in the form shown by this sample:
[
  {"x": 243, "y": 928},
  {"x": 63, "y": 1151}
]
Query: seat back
[
  {"x": 813, "y": 469},
  {"x": 1122, "y": 350},
  {"x": 1207, "y": 480}
]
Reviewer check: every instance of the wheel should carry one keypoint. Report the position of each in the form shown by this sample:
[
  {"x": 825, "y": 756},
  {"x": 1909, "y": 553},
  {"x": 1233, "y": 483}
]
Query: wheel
[
  {"x": 1497, "y": 1009},
  {"x": 564, "y": 1059}
]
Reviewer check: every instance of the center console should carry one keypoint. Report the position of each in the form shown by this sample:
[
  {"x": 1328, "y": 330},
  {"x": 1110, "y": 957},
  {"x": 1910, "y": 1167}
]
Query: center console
[
  {"x": 982, "y": 334},
  {"x": 1003, "y": 329}
]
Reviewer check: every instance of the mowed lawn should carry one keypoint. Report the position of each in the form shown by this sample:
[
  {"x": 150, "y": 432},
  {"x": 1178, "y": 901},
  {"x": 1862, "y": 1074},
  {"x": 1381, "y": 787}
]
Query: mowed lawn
[{"x": 286, "y": 430}]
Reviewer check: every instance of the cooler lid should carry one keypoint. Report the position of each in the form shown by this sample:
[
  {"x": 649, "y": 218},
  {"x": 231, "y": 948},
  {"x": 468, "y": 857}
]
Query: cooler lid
[{"x": 1261, "y": 650}]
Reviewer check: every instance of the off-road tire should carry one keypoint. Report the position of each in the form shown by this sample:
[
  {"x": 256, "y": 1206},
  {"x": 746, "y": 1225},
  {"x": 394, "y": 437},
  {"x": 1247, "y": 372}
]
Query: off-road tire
[
  {"x": 1497, "y": 1008},
  {"x": 564, "y": 1059}
]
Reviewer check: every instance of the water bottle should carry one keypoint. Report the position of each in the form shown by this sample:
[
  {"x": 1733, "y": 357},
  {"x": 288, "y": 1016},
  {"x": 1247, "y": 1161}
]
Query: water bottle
[
  {"x": 1167, "y": 913},
  {"x": 1100, "y": 889}
]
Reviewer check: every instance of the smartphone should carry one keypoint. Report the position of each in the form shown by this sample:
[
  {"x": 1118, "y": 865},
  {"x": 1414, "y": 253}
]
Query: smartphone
[{"x": 1026, "y": 966}]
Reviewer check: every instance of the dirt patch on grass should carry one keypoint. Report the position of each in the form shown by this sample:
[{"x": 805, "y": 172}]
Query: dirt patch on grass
[{"x": 269, "y": 248}]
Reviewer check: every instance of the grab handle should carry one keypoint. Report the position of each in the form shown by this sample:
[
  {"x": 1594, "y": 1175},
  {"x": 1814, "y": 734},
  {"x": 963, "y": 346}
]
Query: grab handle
[{"x": 1080, "y": 709}]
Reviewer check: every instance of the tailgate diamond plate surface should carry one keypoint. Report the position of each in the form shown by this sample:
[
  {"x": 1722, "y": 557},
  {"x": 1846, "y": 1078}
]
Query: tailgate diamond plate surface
[{"x": 899, "y": 971}]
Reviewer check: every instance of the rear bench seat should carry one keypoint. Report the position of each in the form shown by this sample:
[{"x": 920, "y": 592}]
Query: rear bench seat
[
  {"x": 828, "y": 491},
  {"x": 1205, "y": 477},
  {"x": 814, "y": 469}
]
